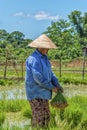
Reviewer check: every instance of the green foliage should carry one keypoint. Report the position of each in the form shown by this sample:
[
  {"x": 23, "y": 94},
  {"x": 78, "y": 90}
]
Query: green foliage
[
  {"x": 2, "y": 118},
  {"x": 7, "y": 82},
  {"x": 72, "y": 80},
  {"x": 69, "y": 36}
]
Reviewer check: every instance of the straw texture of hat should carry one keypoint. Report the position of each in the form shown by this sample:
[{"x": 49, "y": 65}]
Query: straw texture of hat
[{"x": 42, "y": 42}]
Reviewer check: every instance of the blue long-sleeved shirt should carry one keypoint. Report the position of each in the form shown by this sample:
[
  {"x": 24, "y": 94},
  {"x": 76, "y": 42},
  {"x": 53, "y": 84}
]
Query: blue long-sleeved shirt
[{"x": 39, "y": 80}]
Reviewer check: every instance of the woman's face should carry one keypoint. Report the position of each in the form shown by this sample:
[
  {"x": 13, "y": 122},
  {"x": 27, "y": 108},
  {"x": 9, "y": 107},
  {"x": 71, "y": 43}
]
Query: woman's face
[{"x": 44, "y": 51}]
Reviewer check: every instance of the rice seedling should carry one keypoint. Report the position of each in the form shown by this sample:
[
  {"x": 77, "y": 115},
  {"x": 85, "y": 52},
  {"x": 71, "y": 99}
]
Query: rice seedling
[
  {"x": 59, "y": 101},
  {"x": 2, "y": 118}
]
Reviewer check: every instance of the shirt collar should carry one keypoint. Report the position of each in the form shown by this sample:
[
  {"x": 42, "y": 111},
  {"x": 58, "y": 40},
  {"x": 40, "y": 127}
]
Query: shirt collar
[{"x": 40, "y": 53}]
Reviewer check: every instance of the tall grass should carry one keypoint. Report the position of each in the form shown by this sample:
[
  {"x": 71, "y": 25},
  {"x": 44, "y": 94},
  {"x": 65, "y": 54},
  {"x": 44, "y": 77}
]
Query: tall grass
[
  {"x": 74, "y": 78},
  {"x": 74, "y": 117},
  {"x": 12, "y": 105},
  {"x": 2, "y": 118}
]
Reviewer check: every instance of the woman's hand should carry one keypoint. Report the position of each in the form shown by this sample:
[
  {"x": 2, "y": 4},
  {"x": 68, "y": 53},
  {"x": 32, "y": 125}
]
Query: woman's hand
[
  {"x": 57, "y": 88},
  {"x": 60, "y": 88}
]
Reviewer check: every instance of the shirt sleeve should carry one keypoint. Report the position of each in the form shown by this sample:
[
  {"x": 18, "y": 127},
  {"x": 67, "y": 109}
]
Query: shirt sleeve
[
  {"x": 38, "y": 76},
  {"x": 55, "y": 81}
]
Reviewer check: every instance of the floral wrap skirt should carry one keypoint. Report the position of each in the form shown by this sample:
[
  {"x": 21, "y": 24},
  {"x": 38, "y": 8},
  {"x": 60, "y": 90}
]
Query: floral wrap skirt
[{"x": 40, "y": 112}]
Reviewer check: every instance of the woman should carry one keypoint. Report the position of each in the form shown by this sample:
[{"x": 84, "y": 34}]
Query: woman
[{"x": 40, "y": 81}]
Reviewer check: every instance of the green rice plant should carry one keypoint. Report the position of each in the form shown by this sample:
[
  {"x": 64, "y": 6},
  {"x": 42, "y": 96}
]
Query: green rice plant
[
  {"x": 73, "y": 114},
  {"x": 59, "y": 101},
  {"x": 71, "y": 77},
  {"x": 26, "y": 111},
  {"x": 2, "y": 105},
  {"x": 53, "y": 112},
  {"x": 11, "y": 128},
  {"x": 73, "y": 80},
  {"x": 83, "y": 124},
  {"x": 52, "y": 122},
  {"x": 15, "y": 105},
  {"x": 15, "y": 128},
  {"x": 2, "y": 118},
  {"x": 76, "y": 113},
  {"x": 73, "y": 117},
  {"x": 12, "y": 105},
  {"x": 2, "y": 82},
  {"x": 61, "y": 114},
  {"x": 81, "y": 101},
  {"x": 5, "y": 82}
]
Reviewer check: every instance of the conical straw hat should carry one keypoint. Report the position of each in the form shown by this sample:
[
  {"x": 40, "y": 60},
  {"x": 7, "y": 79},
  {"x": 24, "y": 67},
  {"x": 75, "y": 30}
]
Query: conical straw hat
[{"x": 42, "y": 42}]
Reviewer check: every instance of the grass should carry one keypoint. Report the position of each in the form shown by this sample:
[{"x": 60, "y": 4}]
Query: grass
[
  {"x": 72, "y": 117},
  {"x": 66, "y": 75},
  {"x": 71, "y": 78}
]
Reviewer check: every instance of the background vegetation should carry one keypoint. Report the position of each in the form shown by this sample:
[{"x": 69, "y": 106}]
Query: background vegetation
[{"x": 70, "y": 36}]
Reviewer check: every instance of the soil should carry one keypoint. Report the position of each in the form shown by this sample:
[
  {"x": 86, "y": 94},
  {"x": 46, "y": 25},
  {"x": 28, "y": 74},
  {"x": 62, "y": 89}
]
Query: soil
[{"x": 74, "y": 63}]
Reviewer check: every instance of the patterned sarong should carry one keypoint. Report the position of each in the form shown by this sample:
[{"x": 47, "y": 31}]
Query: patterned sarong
[{"x": 40, "y": 112}]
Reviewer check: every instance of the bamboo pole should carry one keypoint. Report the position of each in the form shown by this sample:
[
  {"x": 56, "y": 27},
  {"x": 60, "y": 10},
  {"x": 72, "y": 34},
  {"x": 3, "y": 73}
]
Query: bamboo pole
[
  {"x": 14, "y": 65},
  {"x": 22, "y": 70},
  {"x": 83, "y": 68},
  {"x": 6, "y": 63},
  {"x": 60, "y": 67}
]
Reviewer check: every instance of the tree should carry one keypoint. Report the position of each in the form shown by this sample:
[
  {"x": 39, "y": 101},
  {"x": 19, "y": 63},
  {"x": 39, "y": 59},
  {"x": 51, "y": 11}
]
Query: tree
[
  {"x": 77, "y": 22},
  {"x": 61, "y": 34},
  {"x": 85, "y": 24},
  {"x": 3, "y": 35}
]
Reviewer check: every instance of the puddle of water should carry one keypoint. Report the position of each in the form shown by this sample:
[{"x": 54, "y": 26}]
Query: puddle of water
[
  {"x": 74, "y": 90},
  {"x": 19, "y": 93},
  {"x": 17, "y": 123},
  {"x": 21, "y": 123},
  {"x": 13, "y": 94}
]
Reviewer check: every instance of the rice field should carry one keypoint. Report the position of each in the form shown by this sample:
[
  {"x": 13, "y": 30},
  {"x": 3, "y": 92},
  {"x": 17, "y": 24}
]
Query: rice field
[{"x": 15, "y": 112}]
